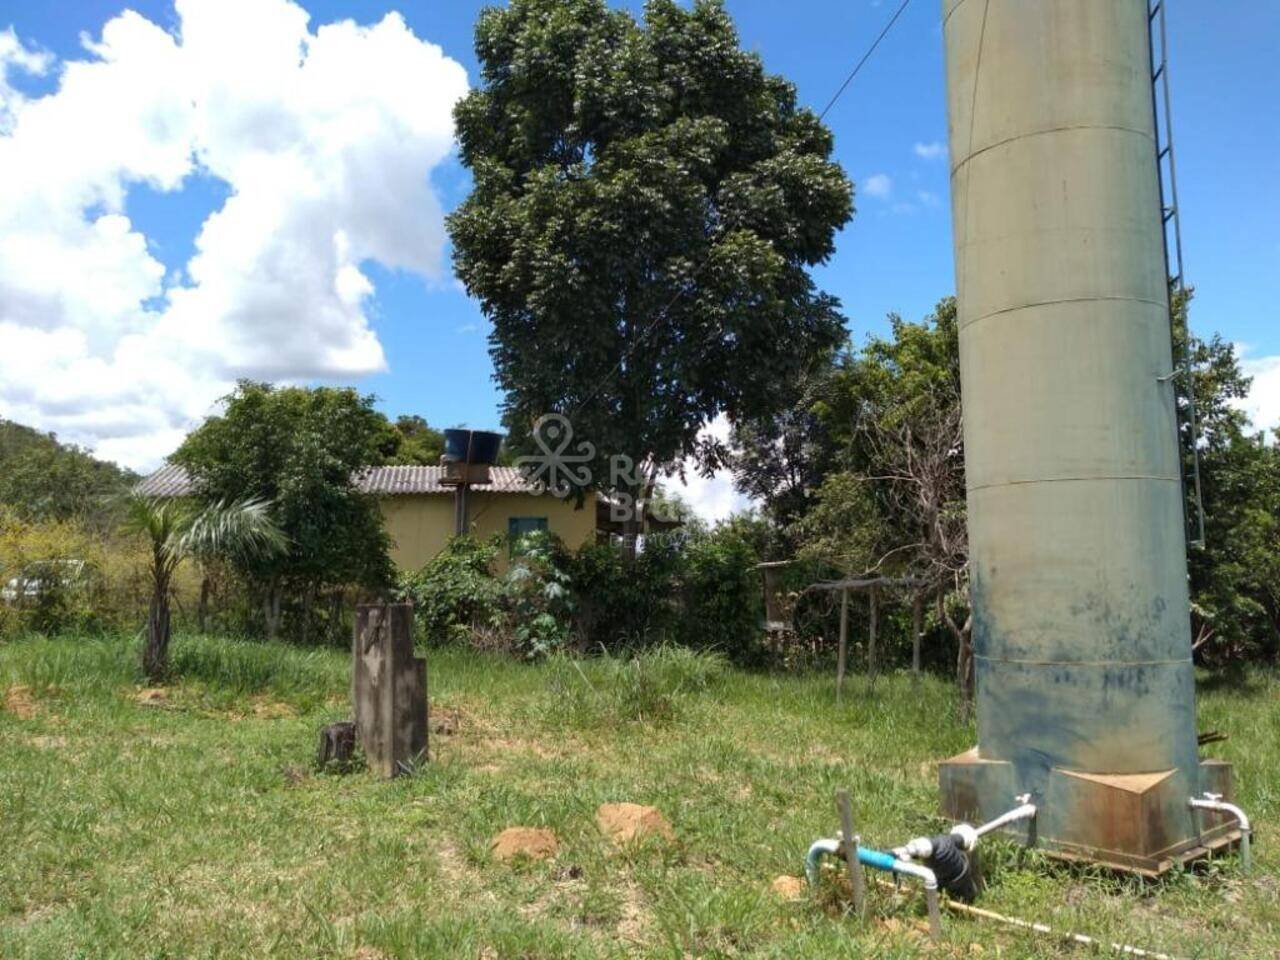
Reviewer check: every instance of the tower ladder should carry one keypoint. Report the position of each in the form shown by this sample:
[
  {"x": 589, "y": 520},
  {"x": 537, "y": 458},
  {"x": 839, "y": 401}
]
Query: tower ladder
[{"x": 1167, "y": 171}]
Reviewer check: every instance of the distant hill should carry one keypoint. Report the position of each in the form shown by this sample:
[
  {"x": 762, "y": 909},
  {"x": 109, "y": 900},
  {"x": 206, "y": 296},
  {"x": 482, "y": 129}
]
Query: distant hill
[{"x": 44, "y": 479}]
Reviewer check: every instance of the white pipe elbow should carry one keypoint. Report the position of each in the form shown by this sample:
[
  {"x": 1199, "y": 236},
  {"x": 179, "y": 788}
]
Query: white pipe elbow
[
  {"x": 1213, "y": 801},
  {"x": 909, "y": 869}
]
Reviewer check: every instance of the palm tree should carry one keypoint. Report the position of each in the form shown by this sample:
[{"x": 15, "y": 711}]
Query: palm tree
[{"x": 178, "y": 530}]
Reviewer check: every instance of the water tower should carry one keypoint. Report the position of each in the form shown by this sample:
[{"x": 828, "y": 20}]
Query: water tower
[{"x": 1085, "y": 685}]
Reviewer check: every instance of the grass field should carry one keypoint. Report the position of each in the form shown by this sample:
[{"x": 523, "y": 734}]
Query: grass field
[{"x": 188, "y": 822}]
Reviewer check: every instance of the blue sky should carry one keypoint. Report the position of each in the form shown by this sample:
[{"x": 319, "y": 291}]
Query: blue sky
[{"x": 894, "y": 256}]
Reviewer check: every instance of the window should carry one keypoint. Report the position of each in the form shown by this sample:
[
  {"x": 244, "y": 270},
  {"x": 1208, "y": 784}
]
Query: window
[{"x": 517, "y": 527}]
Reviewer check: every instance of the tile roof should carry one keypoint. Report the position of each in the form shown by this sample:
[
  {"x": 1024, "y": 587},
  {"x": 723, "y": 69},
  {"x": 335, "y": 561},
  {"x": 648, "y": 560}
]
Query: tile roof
[
  {"x": 172, "y": 480},
  {"x": 169, "y": 481}
]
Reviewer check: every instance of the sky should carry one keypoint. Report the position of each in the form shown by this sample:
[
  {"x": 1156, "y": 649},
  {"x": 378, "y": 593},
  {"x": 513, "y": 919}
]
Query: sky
[{"x": 213, "y": 189}]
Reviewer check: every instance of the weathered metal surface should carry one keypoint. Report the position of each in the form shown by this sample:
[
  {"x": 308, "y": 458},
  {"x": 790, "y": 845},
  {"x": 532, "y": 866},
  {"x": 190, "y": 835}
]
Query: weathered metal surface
[
  {"x": 388, "y": 689},
  {"x": 1074, "y": 487}
]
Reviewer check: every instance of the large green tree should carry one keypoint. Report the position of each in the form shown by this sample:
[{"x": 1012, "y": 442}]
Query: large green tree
[
  {"x": 299, "y": 449},
  {"x": 647, "y": 202},
  {"x": 419, "y": 443},
  {"x": 1235, "y": 575}
]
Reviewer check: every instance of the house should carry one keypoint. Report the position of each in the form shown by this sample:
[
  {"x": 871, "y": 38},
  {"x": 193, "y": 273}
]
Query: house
[{"x": 418, "y": 508}]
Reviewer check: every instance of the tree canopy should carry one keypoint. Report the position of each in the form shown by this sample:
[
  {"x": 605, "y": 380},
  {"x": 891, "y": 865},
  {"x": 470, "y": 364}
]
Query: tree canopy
[
  {"x": 418, "y": 443},
  {"x": 647, "y": 202},
  {"x": 299, "y": 449}
]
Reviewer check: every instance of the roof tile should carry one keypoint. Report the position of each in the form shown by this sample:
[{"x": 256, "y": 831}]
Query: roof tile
[{"x": 172, "y": 480}]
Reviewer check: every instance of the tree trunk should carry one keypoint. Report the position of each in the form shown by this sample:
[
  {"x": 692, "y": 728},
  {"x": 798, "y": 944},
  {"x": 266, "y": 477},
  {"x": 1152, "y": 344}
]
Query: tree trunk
[
  {"x": 202, "y": 611},
  {"x": 271, "y": 609},
  {"x": 964, "y": 654},
  {"x": 842, "y": 655},
  {"x": 917, "y": 632},
  {"x": 337, "y": 746},
  {"x": 872, "y": 629},
  {"x": 155, "y": 655},
  {"x": 308, "y": 605}
]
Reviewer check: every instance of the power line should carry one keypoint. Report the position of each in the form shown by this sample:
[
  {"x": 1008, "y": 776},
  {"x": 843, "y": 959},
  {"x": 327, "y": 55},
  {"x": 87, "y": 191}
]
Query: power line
[
  {"x": 865, "y": 57},
  {"x": 697, "y": 271}
]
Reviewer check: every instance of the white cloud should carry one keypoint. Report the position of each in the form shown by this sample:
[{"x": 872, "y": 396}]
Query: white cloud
[
  {"x": 711, "y": 498},
  {"x": 1263, "y": 403},
  {"x": 934, "y": 150},
  {"x": 325, "y": 139},
  {"x": 878, "y": 185}
]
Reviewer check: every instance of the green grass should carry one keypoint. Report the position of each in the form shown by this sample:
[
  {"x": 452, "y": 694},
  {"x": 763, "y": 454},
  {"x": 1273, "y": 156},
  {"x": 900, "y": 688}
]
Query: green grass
[{"x": 191, "y": 824}]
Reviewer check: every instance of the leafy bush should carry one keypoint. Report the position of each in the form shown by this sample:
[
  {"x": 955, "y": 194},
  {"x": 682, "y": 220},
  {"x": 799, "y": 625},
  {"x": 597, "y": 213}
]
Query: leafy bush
[
  {"x": 89, "y": 582},
  {"x": 723, "y": 597},
  {"x": 626, "y": 604},
  {"x": 536, "y": 600},
  {"x": 455, "y": 592},
  {"x": 650, "y": 687}
]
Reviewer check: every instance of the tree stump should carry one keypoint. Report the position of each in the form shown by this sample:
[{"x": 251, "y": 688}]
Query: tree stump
[{"x": 337, "y": 745}]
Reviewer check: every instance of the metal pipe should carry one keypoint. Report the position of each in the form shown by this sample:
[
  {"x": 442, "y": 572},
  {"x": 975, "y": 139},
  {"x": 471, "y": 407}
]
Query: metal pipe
[
  {"x": 1214, "y": 801},
  {"x": 887, "y": 862},
  {"x": 965, "y": 835},
  {"x": 818, "y": 850},
  {"x": 1026, "y": 811}
]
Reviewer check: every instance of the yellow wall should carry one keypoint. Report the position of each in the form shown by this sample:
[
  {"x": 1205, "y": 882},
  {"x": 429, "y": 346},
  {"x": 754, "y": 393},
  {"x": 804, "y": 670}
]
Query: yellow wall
[{"x": 421, "y": 524}]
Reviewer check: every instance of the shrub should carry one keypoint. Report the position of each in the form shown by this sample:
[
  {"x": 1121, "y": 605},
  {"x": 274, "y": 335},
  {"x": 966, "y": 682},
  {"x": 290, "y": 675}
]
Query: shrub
[
  {"x": 723, "y": 597},
  {"x": 536, "y": 601},
  {"x": 98, "y": 581},
  {"x": 627, "y": 604},
  {"x": 455, "y": 592}
]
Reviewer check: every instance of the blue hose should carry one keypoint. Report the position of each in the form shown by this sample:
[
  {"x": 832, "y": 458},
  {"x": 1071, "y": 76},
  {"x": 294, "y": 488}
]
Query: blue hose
[{"x": 876, "y": 858}]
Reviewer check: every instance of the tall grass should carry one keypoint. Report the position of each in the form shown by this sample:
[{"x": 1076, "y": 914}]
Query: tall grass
[
  {"x": 651, "y": 686},
  {"x": 229, "y": 666}
]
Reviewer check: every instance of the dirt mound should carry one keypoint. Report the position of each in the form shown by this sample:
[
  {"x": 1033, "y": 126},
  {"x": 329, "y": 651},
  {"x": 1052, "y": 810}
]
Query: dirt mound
[
  {"x": 788, "y": 887},
  {"x": 532, "y": 842},
  {"x": 151, "y": 696},
  {"x": 624, "y": 822},
  {"x": 19, "y": 702}
]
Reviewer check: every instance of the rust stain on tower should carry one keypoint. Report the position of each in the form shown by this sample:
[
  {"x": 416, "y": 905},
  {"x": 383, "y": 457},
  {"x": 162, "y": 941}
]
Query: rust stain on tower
[{"x": 1085, "y": 685}]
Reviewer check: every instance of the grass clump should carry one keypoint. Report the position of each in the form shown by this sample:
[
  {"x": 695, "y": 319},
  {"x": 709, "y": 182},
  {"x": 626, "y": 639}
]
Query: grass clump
[{"x": 651, "y": 686}]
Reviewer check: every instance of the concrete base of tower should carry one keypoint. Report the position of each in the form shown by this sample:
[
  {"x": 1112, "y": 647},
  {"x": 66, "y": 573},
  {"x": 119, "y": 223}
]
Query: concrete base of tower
[{"x": 1139, "y": 823}]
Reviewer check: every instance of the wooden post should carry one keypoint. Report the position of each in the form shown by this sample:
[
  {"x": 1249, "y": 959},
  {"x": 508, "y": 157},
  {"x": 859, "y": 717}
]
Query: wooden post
[
  {"x": 842, "y": 657},
  {"x": 389, "y": 689},
  {"x": 917, "y": 632},
  {"x": 871, "y": 633}
]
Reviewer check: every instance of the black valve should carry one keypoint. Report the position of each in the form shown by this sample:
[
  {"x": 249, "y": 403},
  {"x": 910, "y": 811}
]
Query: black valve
[{"x": 950, "y": 865}]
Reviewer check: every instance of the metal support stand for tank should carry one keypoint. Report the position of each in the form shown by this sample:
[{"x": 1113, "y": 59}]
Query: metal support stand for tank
[{"x": 389, "y": 689}]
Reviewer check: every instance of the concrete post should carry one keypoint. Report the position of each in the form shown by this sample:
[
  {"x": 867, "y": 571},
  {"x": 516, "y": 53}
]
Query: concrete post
[{"x": 389, "y": 689}]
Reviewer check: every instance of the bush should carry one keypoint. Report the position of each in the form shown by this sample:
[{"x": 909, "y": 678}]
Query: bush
[
  {"x": 626, "y": 604},
  {"x": 699, "y": 590},
  {"x": 458, "y": 599},
  {"x": 723, "y": 597},
  {"x": 91, "y": 582},
  {"x": 455, "y": 592}
]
